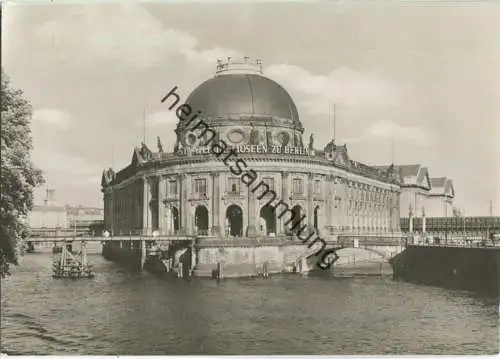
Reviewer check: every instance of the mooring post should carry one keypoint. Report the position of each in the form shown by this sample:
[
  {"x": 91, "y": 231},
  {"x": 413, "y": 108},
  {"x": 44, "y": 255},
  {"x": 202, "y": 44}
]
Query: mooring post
[
  {"x": 180, "y": 270},
  {"x": 220, "y": 273},
  {"x": 143, "y": 252},
  {"x": 193, "y": 259},
  {"x": 265, "y": 269},
  {"x": 84, "y": 254}
]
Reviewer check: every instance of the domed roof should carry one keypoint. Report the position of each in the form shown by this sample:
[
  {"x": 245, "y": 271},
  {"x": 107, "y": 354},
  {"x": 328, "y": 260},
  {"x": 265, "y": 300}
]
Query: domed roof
[{"x": 232, "y": 95}]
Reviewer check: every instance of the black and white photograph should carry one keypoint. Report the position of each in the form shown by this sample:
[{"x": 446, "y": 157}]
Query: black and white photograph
[{"x": 250, "y": 178}]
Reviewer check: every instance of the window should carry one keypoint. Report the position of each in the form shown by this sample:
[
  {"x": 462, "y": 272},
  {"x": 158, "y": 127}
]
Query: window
[
  {"x": 200, "y": 186},
  {"x": 234, "y": 185},
  {"x": 172, "y": 185},
  {"x": 269, "y": 181},
  {"x": 317, "y": 186},
  {"x": 298, "y": 186}
]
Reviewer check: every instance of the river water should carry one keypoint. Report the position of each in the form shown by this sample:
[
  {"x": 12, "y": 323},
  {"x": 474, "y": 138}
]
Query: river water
[{"x": 119, "y": 312}]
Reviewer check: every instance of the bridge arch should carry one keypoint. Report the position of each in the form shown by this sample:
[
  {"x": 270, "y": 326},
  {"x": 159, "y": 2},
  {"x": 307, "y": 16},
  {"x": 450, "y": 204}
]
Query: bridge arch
[{"x": 362, "y": 255}]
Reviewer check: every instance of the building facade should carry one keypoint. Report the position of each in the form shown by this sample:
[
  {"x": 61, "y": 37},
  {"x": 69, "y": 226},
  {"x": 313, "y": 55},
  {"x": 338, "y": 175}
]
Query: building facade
[
  {"x": 190, "y": 191},
  {"x": 52, "y": 219},
  {"x": 423, "y": 197},
  {"x": 82, "y": 217}
]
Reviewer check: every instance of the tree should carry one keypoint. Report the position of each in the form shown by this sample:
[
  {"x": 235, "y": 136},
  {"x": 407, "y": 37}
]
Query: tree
[{"x": 18, "y": 174}]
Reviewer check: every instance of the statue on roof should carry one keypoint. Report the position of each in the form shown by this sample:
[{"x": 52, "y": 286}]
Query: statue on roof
[
  {"x": 109, "y": 175},
  {"x": 145, "y": 152},
  {"x": 311, "y": 142},
  {"x": 158, "y": 143},
  {"x": 177, "y": 139},
  {"x": 330, "y": 146}
]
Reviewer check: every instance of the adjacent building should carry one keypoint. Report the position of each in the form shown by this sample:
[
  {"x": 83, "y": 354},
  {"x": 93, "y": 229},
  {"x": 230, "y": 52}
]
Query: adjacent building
[{"x": 54, "y": 219}]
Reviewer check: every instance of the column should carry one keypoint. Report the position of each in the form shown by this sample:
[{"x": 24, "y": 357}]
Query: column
[
  {"x": 330, "y": 201},
  {"x": 348, "y": 205},
  {"x": 129, "y": 210},
  {"x": 113, "y": 211},
  {"x": 138, "y": 198},
  {"x": 252, "y": 218},
  {"x": 395, "y": 211},
  {"x": 216, "y": 230},
  {"x": 147, "y": 217},
  {"x": 423, "y": 220},
  {"x": 354, "y": 211},
  {"x": 363, "y": 207},
  {"x": 410, "y": 219},
  {"x": 284, "y": 197},
  {"x": 162, "y": 187},
  {"x": 388, "y": 212},
  {"x": 340, "y": 191},
  {"x": 372, "y": 211},
  {"x": 310, "y": 189},
  {"x": 183, "y": 203}
]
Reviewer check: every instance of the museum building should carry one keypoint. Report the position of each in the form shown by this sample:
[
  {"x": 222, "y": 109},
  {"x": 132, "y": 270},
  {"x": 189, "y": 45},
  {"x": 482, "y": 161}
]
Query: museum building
[{"x": 189, "y": 191}]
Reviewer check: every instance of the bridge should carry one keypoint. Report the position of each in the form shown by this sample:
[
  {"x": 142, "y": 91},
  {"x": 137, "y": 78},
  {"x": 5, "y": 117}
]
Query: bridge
[
  {"x": 136, "y": 249},
  {"x": 66, "y": 238}
]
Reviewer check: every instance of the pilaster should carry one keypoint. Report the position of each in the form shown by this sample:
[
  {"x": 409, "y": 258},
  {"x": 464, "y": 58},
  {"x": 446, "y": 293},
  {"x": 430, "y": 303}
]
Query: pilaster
[
  {"x": 284, "y": 197},
  {"x": 330, "y": 200},
  {"x": 252, "y": 218},
  {"x": 183, "y": 204},
  {"x": 162, "y": 188},
  {"x": 310, "y": 190},
  {"x": 146, "y": 219},
  {"x": 423, "y": 220},
  {"x": 216, "y": 199},
  {"x": 410, "y": 219}
]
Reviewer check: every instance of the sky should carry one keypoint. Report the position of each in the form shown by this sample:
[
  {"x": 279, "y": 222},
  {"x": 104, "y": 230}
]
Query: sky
[{"x": 423, "y": 77}]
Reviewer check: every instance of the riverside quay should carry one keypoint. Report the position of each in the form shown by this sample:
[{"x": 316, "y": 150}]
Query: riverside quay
[{"x": 186, "y": 192}]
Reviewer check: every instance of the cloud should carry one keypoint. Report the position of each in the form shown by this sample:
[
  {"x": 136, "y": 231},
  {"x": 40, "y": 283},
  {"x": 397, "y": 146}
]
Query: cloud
[
  {"x": 52, "y": 117},
  {"x": 86, "y": 181},
  {"x": 388, "y": 129},
  {"x": 160, "y": 119},
  {"x": 342, "y": 86},
  {"x": 105, "y": 33},
  {"x": 63, "y": 166}
]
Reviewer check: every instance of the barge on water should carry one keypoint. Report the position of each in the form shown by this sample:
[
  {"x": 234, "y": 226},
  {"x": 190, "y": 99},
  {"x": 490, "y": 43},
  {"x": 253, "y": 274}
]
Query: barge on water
[{"x": 69, "y": 266}]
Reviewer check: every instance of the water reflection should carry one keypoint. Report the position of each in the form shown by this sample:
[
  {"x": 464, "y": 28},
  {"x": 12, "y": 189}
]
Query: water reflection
[{"x": 119, "y": 312}]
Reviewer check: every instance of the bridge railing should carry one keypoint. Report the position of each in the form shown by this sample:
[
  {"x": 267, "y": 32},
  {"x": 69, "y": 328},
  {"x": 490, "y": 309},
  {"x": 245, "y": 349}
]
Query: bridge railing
[{"x": 462, "y": 245}]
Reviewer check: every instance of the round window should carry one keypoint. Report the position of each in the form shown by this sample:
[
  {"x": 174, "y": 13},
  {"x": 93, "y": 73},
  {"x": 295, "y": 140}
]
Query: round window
[
  {"x": 283, "y": 138},
  {"x": 236, "y": 136}
]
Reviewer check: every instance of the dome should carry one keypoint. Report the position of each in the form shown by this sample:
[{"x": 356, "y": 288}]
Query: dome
[{"x": 231, "y": 95}]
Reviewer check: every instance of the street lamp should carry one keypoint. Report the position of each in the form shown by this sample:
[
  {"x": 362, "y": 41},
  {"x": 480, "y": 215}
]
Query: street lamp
[{"x": 464, "y": 220}]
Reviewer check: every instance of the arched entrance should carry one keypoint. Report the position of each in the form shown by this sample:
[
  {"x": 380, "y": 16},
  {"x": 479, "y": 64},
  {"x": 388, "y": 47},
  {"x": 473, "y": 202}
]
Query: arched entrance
[
  {"x": 234, "y": 220},
  {"x": 296, "y": 213},
  {"x": 175, "y": 220},
  {"x": 269, "y": 216},
  {"x": 201, "y": 220},
  {"x": 316, "y": 218}
]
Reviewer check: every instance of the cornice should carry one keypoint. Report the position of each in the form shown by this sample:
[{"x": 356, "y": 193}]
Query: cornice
[{"x": 160, "y": 164}]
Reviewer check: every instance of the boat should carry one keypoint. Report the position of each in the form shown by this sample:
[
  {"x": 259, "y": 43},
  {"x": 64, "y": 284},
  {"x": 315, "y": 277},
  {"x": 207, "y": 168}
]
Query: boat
[{"x": 69, "y": 266}]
